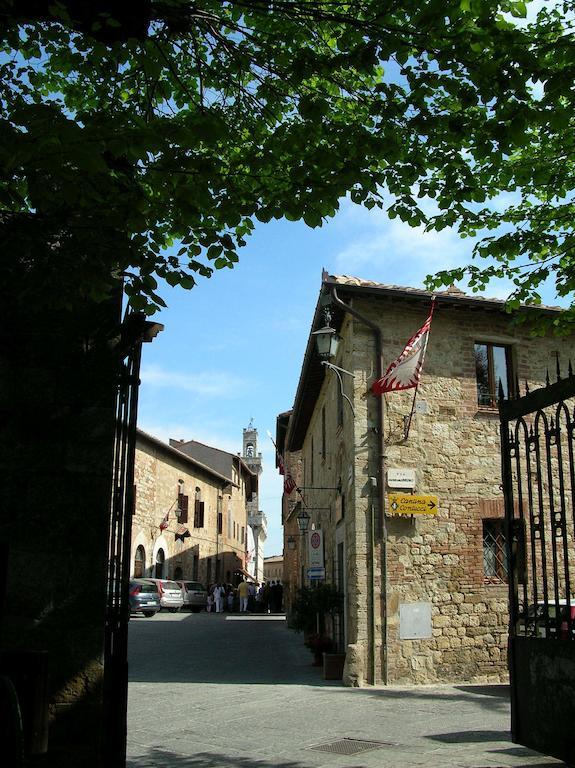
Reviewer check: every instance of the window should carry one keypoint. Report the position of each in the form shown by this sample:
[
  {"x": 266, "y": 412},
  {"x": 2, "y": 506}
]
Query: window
[
  {"x": 494, "y": 552},
  {"x": 182, "y": 508},
  {"x": 492, "y": 365},
  {"x": 220, "y": 523},
  {"x": 311, "y": 464},
  {"x": 198, "y": 510},
  {"x": 243, "y": 536},
  {"x": 323, "y": 448},
  {"x": 339, "y": 406}
]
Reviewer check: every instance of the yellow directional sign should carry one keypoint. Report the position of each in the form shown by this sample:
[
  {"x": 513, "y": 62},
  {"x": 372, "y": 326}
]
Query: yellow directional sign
[{"x": 404, "y": 504}]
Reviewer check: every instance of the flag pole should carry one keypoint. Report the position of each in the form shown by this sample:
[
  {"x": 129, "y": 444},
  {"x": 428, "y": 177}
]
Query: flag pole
[{"x": 407, "y": 428}]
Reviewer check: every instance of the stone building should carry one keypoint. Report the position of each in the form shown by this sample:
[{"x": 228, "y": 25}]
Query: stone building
[
  {"x": 190, "y": 516},
  {"x": 425, "y": 595},
  {"x": 274, "y": 568}
]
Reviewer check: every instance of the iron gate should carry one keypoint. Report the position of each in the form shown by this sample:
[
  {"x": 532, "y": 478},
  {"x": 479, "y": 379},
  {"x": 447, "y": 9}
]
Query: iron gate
[
  {"x": 537, "y": 441},
  {"x": 135, "y": 330}
]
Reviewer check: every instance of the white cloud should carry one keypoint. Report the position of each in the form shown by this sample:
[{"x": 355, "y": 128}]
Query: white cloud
[
  {"x": 206, "y": 383},
  {"x": 189, "y": 430},
  {"x": 391, "y": 248}
]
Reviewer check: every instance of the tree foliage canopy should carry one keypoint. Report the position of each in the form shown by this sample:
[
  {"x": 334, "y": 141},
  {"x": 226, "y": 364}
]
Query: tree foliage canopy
[{"x": 145, "y": 142}]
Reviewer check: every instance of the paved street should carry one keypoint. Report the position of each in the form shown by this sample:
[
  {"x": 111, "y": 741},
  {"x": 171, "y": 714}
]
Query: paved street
[{"x": 206, "y": 691}]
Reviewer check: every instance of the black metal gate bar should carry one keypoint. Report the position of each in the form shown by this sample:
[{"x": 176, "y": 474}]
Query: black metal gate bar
[
  {"x": 562, "y": 414},
  {"x": 136, "y": 329},
  {"x": 538, "y": 473}
]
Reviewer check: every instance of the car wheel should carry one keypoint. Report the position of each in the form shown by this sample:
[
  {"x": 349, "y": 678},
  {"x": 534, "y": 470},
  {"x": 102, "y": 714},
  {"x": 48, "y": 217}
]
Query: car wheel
[
  {"x": 148, "y": 614},
  {"x": 174, "y": 610}
]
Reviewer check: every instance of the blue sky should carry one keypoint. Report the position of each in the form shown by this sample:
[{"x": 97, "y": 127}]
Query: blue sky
[{"x": 232, "y": 347}]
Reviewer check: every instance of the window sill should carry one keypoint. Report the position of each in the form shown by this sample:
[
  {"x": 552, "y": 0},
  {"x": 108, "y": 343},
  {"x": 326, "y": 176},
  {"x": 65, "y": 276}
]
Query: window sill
[
  {"x": 494, "y": 582},
  {"x": 487, "y": 410}
]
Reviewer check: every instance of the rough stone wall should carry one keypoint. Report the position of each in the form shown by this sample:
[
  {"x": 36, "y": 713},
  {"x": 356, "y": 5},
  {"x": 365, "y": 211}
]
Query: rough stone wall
[
  {"x": 157, "y": 473},
  {"x": 428, "y": 563},
  {"x": 330, "y": 510},
  {"x": 453, "y": 445}
]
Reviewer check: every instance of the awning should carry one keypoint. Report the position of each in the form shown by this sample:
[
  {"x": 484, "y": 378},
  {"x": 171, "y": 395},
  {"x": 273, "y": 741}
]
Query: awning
[{"x": 246, "y": 574}]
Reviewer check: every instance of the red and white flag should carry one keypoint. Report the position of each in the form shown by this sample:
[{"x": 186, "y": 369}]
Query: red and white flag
[
  {"x": 164, "y": 523},
  {"x": 280, "y": 463},
  {"x": 289, "y": 483},
  {"x": 405, "y": 371}
]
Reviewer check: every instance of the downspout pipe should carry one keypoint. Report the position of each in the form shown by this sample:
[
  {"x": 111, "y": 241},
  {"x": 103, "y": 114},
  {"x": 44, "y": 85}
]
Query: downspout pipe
[{"x": 378, "y": 338}]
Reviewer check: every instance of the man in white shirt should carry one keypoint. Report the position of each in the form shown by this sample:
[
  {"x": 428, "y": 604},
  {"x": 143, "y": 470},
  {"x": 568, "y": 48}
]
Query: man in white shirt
[{"x": 219, "y": 593}]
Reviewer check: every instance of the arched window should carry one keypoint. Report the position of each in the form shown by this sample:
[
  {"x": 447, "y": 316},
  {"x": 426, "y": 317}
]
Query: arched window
[
  {"x": 159, "y": 567},
  {"x": 139, "y": 562},
  {"x": 249, "y": 450}
]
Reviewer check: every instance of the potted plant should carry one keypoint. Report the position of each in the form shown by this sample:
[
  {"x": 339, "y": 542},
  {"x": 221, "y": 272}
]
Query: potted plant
[
  {"x": 318, "y": 645},
  {"x": 311, "y": 610}
]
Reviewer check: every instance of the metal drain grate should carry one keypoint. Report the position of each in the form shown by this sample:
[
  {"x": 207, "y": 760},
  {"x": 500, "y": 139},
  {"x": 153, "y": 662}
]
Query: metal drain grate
[{"x": 348, "y": 746}]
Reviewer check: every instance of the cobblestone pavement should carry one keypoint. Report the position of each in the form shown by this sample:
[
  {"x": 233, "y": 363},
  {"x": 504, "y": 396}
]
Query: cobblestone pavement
[{"x": 207, "y": 691}]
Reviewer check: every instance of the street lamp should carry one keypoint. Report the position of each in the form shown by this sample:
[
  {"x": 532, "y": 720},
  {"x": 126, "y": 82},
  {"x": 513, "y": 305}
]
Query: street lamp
[
  {"x": 302, "y": 521},
  {"x": 326, "y": 338}
]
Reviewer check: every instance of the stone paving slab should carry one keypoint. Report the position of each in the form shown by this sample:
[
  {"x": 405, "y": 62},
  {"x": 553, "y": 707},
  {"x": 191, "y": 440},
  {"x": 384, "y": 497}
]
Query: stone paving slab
[{"x": 205, "y": 691}]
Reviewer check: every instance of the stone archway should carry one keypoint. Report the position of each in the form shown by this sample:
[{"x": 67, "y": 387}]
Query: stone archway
[
  {"x": 160, "y": 564},
  {"x": 139, "y": 562}
]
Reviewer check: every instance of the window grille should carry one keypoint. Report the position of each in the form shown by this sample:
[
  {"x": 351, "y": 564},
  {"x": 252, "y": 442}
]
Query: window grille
[{"x": 494, "y": 551}]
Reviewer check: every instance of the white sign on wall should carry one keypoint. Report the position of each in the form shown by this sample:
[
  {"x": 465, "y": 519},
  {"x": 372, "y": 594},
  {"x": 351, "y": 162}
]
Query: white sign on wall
[
  {"x": 401, "y": 477},
  {"x": 315, "y": 549},
  {"x": 414, "y": 621}
]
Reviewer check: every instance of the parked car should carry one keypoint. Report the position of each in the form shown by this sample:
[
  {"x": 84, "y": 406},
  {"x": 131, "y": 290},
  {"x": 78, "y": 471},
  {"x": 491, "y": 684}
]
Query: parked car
[
  {"x": 195, "y": 595},
  {"x": 555, "y": 616},
  {"x": 144, "y": 597},
  {"x": 171, "y": 596}
]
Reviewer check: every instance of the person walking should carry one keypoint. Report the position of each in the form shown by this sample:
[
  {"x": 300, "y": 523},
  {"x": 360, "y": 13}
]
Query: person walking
[
  {"x": 219, "y": 593},
  {"x": 266, "y": 597},
  {"x": 251, "y": 597},
  {"x": 279, "y": 599},
  {"x": 244, "y": 593}
]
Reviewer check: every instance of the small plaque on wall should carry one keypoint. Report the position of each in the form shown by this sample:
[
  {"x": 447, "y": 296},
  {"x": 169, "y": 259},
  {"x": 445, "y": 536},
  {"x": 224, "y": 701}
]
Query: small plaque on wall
[{"x": 414, "y": 621}]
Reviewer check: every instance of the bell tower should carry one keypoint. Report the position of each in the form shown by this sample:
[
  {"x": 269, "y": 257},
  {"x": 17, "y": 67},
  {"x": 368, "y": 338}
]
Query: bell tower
[
  {"x": 256, "y": 519},
  {"x": 250, "y": 453}
]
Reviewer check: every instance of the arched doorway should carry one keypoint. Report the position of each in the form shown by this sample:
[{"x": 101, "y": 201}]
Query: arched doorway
[
  {"x": 139, "y": 562},
  {"x": 159, "y": 565}
]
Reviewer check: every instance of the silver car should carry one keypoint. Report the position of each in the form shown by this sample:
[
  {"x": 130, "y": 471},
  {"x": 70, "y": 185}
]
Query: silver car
[
  {"x": 170, "y": 594},
  {"x": 195, "y": 595}
]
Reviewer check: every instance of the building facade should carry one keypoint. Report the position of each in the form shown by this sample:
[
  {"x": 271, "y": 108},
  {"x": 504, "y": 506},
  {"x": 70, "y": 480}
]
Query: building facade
[
  {"x": 274, "y": 568},
  {"x": 190, "y": 517},
  {"x": 424, "y": 578}
]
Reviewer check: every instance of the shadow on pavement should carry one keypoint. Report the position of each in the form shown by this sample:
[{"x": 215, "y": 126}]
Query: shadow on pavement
[
  {"x": 161, "y": 758},
  {"x": 200, "y": 648},
  {"x": 492, "y": 697},
  {"x": 470, "y": 737}
]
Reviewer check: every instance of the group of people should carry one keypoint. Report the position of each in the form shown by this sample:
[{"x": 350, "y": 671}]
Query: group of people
[{"x": 247, "y": 597}]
